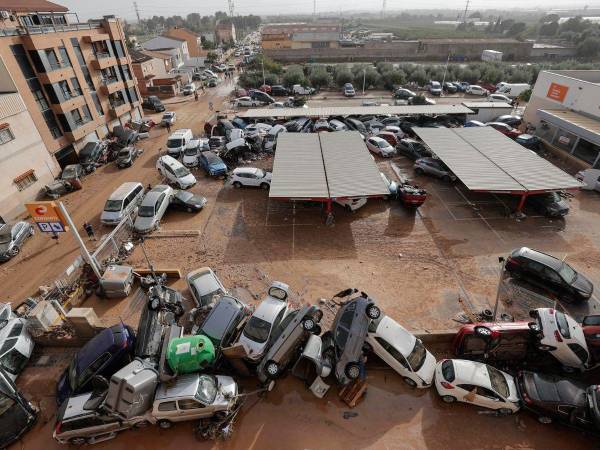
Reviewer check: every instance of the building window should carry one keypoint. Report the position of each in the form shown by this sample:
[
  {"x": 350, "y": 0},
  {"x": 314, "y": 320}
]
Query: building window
[
  {"x": 50, "y": 120},
  {"x": 51, "y": 93},
  {"x": 78, "y": 52},
  {"x": 38, "y": 95},
  {"x": 37, "y": 61},
  {"x": 64, "y": 56},
  {"x": 126, "y": 72},
  {"x": 586, "y": 151},
  {"x": 76, "y": 86},
  {"x": 118, "y": 46},
  {"x": 53, "y": 61},
  {"x": 76, "y": 115},
  {"x": 87, "y": 115},
  {"x": 88, "y": 78},
  {"x": 6, "y": 134},
  {"x": 20, "y": 55},
  {"x": 97, "y": 103},
  {"x": 25, "y": 180},
  {"x": 65, "y": 89}
]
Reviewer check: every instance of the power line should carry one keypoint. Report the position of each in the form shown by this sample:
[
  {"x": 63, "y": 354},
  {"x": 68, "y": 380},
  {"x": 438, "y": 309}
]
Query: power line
[{"x": 137, "y": 12}]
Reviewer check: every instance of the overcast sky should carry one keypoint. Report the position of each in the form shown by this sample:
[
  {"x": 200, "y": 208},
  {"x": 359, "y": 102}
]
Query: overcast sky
[{"x": 124, "y": 8}]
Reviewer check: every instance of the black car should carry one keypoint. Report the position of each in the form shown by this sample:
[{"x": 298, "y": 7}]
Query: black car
[
  {"x": 153, "y": 103},
  {"x": 217, "y": 142},
  {"x": 126, "y": 156},
  {"x": 412, "y": 149},
  {"x": 72, "y": 172},
  {"x": 355, "y": 124},
  {"x": 450, "y": 88},
  {"x": 279, "y": 91},
  {"x": 91, "y": 154},
  {"x": 556, "y": 399},
  {"x": 124, "y": 136},
  {"x": 549, "y": 204},
  {"x": 17, "y": 414},
  {"x": 529, "y": 141},
  {"x": 261, "y": 96},
  {"x": 344, "y": 343},
  {"x": 222, "y": 325},
  {"x": 550, "y": 274},
  {"x": 403, "y": 94},
  {"x": 393, "y": 121},
  {"x": 187, "y": 201},
  {"x": 513, "y": 121}
]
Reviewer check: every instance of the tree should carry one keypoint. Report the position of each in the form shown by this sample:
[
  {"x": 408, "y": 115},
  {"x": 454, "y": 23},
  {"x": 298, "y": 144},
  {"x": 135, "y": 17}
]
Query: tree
[
  {"x": 320, "y": 78},
  {"x": 525, "y": 95},
  {"x": 549, "y": 29},
  {"x": 419, "y": 76},
  {"x": 207, "y": 45},
  {"x": 589, "y": 48},
  {"x": 343, "y": 76},
  {"x": 516, "y": 28},
  {"x": 211, "y": 57},
  {"x": 294, "y": 75},
  {"x": 393, "y": 78},
  {"x": 549, "y": 18}
]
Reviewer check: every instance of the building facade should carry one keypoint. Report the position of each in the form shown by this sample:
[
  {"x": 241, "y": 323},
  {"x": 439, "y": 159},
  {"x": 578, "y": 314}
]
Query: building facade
[
  {"x": 300, "y": 36},
  {"x": 564, "y": 109},
  {"x": 75, "y": 79},
  {"x": 225, "y": 32},
  {"x": 192, "y": 40}
]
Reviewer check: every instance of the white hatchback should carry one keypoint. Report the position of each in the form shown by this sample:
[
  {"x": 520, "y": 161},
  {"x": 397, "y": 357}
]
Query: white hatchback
[
  {"x": 402, "y": 351},
  {"x": 250, "y": 176},
  {"x": 380, "y": 147},
  {"x": 476, "y": 383},
  {"x": 268, "y": 315}
]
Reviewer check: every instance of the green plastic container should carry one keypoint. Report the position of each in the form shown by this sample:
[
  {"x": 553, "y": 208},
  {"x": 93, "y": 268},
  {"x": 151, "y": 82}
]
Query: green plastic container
[{"x": 190, "y": 354}]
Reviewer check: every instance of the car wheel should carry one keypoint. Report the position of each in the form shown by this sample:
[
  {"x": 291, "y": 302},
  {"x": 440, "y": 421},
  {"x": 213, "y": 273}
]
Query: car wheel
[
  {"x": 352, "y": 370},
  {"x": 419, "y": 171},
  {"x": 142, "y": 424},
  {"x": 545, "y": 420},
  {"x": 533, "y": 326},
  {"x": 237, "y": 184},
  {"x": 77, "y": 441},
  {"x": 373, "y": 312},
  {"x": 189, "y": 209},
  {"x": 448, "y": 399},
  {"x": 412, "y": 383},
  {"x": 264, "y": 186},
  {"x": 446, "y": 179},
  {"x": 482, "y": 331},
  {"x": 164, "y": 424},
  {"x": 309, "y": 324},
  {"x": 272, "y": 369},
  {"x": 14, "y": 251}
]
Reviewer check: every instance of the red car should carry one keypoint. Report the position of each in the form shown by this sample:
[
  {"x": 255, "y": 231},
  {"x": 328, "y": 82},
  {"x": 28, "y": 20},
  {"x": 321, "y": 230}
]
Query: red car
[
  {"x": 410, "y": 195},
  {"x": 240, "y": 93},
  {"x": 265, "y": 88},
  {"x": 490, "y": 87},
  {"x": 505, "y": 129},
  {"x": 389, "y": 137}
]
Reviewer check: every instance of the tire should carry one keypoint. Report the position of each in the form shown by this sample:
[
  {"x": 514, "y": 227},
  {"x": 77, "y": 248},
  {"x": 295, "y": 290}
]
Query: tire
[
  {"x": 14, "y": 251},
  {"x": 237, "y": 184},
  {"x": 352, "y": 370},
  {"x": 366, "y": 348},
  {"x": 533, "y": 326},
  {"x": 482, "y": 331},
  {"x": 178, "y": 311},
  {"x": 419, "y": 171},
  {"x": 412, "y": 383},
  {"x": 142, "y": 424},
  {"x": 448, "y": 399},
  {"x": 165, "y": 424},
  {"x": 446, "y": 179},
  {"x": 78, "y": 441},
  {"x": 309, "y": 324},
  {"x": 545, "y": 420},
  {"x": 190, "y": 210},
  {"x": 348, "y": 208},
  {"x": 272, "y": 369},
  {"x": 265, "y": 186},
  {"x": 373, "y": 312}
]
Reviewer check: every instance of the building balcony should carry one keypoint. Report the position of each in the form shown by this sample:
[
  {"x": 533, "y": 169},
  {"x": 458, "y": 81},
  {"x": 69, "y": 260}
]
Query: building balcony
[
  {"x": 74, "y": 102},
  {"x": 130, "y": 83},
  {"x": 56, "y": 73},
  {"x": 96, "y": 38},
  {"x": 103, "y": 60},
  {"x": 83, "y": 129},
  {"x": 110, "y": 85},
  {"x": 118, "y": 108}
]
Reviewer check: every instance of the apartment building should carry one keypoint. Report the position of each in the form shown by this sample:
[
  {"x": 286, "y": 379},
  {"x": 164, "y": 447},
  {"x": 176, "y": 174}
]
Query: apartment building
[
  {"x": 75, "y": 79},
  {"x": 225, "y": 32},
  {"x": 194, "y": 43}
]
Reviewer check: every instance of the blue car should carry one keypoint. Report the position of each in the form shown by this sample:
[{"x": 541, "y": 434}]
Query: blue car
[
  {"x": 103, "y": 355},
  {"x": 212, "y": 164}
]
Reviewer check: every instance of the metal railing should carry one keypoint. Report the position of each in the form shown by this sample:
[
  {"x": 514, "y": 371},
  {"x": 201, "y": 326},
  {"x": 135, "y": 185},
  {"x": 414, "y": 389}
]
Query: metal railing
[
  {"x": 58, "y": 66},
  {"x": 102, "y": 55},
  {"x": 111, "y": 244},
  {"x": 109, "y": 80},
  {"x": 45, "y": 29}
]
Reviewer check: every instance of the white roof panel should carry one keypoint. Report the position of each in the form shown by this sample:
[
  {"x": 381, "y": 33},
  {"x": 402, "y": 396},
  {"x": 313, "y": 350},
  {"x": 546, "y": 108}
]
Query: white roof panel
[{"x": 404, "y": 110}]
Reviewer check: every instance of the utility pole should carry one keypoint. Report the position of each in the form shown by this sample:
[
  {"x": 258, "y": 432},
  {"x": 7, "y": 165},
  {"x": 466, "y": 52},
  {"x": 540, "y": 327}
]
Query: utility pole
[
  {"x": 137, "y": 12},
  {"x": 231, "y": 7},
  {"x": 465, "y": 13},
  {"x": 314, "y": 10},
  {"x": 383, "y": 8}
]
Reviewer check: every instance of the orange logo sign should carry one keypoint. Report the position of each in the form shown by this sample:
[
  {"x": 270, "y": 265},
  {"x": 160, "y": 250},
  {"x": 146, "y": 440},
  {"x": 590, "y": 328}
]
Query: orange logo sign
[
  {"x": 557, "y": 92},
  {"x": 44, "y": 212}
]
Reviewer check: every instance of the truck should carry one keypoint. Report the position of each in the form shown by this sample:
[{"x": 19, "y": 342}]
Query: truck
[
  {"x": 298, "y": 89},
  {"x": 512, "y": 90},
  {"x": 491, "y": 55}
]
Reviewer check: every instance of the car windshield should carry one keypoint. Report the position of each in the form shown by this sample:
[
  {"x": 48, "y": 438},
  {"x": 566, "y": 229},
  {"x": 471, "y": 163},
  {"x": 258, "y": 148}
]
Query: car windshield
[
  {"x": 417, "y": 356},
  {"x": 191, "y": 151},
  {"x": 184, "y": 196},
  {"x": 72, "y": 374},
  {"x": 563, "y": 325},
  {"x": 174, "y": 143},
  {"x": 113, "y": 205},
  {"x": 567, "y": 273},
  {"x": 123, "y": 154},
  {"x": 257, "y": 329},
  {"x": 167, "y": 116},
  {"x": 181, "y": 172},
  {"x": 383, "y": 144},
  {"x": 498, "y": 381},
  {"x": 13, "y": 361},
  {"x": 69, "y": 172},
  {"x": 207, "y": 389},
  {"x": 146, "y": 211},
  {"x": 260, "y": 173}
]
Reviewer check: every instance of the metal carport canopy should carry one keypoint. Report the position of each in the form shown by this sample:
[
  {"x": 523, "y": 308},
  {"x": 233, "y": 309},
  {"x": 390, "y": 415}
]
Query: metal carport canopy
[
  {"x": 406, "y": 110},
  {"x": 324, "y": 167},
  {"x": 486, "y": 160}
]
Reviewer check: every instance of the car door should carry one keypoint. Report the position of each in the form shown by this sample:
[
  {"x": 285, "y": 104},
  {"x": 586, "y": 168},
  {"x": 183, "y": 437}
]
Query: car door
[
  {"x": 488, "y": 398},
  {"x": 391, "y": 356},
  {"x": 17, "y": 234},
  {"x": 160, "y": 207},
  {"x": 190, "y": 408},
  {"x": 203, "y": 162},
  {"x": 552, "y": 278}
]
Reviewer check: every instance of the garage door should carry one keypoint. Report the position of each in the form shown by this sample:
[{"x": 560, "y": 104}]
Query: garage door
[{"x": 66, "y": 156}]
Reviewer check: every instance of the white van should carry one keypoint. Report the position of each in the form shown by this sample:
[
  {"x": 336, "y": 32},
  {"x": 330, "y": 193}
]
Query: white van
[
  {"x": 270, "y": 141},
  {"x": 513, "y": 90},
  {"x": 178, "y": 141},
  {"x": 175, "y": 172},
  {"x": 122, "y": 202}
]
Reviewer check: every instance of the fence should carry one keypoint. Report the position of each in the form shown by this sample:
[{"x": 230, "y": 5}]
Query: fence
[
  {"x": 111, "y": 244},
  {"x": 522, "y": 297}
]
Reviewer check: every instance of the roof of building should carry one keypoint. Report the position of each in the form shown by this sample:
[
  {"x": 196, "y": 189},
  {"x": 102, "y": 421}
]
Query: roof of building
[
  {"x": 586, "y": 127},
  {"x": 139, "y": 57},
  {"x": 356, "y": 110},
  {"x": 475, "y": 41},
  {"x": 281, "y": 28},
  {"x": 31, "y": 6},
  {"x": 487, "y": 105},
  {"x": 181, "y": 29},
  {"x": 162, "y": 42},
  {"x": 156, "y": 54},
  {"x": 486, "y": 160},
  {"x": 324, "y": 166}
]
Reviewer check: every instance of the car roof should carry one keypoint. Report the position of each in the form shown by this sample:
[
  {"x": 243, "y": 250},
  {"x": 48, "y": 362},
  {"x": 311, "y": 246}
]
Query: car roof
[
  {"x": 102, "y": 342},
  {"x": 182, "y": 386},
  {"x": 540, "y": 257},
  {"x": 179, "y": 133},
  {"x": 396, "y": 334},
  {"x": 553, "y": 389},
  {"x": 377, "y": 139},
  {"x": 124, "y": 189},
  {"x": 245, "y": 170},
  {"x": 212, "y": 157},
  {"x": 170, "y": 161},
  {"x": 471, "y": 372},
  {"x": 204, "y": 278},
  {"x": 74, "y": 407},
  {"x": 269, "y": 308},
  {"x": 152, "y": 195}
]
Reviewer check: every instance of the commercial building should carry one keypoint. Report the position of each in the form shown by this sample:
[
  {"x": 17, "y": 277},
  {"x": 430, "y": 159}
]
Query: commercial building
[
  {"x": 564, "y": 111},
  {"x": 225, "y": 32},
  {"x": 301, "y": 36},
  {"x": 549, "y": 52},
  {"x": 75, "y": 79},
  {"x": 472, "y": 49},
  {"x": 26, "y": 165}
]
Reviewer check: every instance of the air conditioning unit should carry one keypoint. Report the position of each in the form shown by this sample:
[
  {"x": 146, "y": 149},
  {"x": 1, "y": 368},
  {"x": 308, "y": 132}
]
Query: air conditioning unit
[{"x": 4, "y": 14}]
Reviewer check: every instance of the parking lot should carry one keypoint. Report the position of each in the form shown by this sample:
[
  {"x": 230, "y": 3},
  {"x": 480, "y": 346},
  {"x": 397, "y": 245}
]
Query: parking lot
[{"x": 415, "y": 264}]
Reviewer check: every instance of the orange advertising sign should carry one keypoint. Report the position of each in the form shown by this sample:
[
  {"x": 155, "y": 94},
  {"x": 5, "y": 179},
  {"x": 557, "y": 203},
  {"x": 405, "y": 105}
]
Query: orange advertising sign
[
  {"x": 47, "y": 215},
  {"x": 557, "y": 92}
]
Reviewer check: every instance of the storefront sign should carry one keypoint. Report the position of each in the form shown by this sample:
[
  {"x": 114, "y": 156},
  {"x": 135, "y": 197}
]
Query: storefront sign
[
  {"x": 47, "y": 216},
  {"x": 557, "y": 92},
  {"x": 564, "y": 140}
]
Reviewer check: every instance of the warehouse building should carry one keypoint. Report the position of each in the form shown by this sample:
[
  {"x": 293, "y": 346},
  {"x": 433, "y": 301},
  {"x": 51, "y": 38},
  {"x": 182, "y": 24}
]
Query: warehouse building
[{"x": 564, "y": 111}]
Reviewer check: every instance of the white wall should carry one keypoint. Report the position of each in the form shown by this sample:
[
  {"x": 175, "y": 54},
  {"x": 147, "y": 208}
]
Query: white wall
[{"x": 25, "y": 152}]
